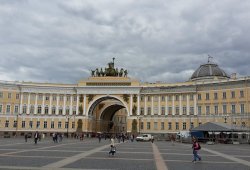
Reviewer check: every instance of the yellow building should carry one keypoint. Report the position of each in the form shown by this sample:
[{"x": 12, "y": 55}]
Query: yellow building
[{"x": 111, "y": 102}]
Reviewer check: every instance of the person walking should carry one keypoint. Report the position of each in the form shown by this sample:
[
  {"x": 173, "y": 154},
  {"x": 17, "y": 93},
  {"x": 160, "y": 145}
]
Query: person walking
[
  {"x": 112, "y": 146},
  {"x": 36, "y": 136},
  {"x": 196, "y": 146}
]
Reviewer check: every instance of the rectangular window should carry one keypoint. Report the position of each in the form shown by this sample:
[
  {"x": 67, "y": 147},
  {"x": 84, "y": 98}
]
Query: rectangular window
[
  {"x": 148, "y": 125},
  {"x": 241, "y": 93},
  {"x": 9, "y": 95},
  {"x": 169, "y": 126},
  {"x": 162, "y": 126},
  {"x": 54, "y": 98},
  {"x": 199, "y": 96},
  {"x": 149, "y": 98},
  {"x": 24, "y": 109},
  {"x": 142, "y": 126},
  {"x": 155, "y": 125},
  {"x": 184, "y": 97},
  {"x": 216, "y": 110},
  {"x": 177, "y": 110},
  {"x": 207, "y": 96},
  {"x": 73, "y": 125},
  {"x": 52, "y": 125},
  {"x": 142, "y": 98},
  {"x": 38, "y": 124},
  {"x": 40, "y": 97},
  {"x": 224, "y": 109},
  {"x": 170, "y": 110},
  {"x": 242, "y": 108},
  {"x": 224, "y": 95},
  {"x": 199, "y": 110},
  {"x": 53, "y": 110},
  {"x": 8, "y": 108},
  {"x": 61, "y": 98},
  {"x": 1, "y": 108},
  {"x": 68, "y": 98},
  {"x": 177, "y": 125},
  {"x": 16, "y": 109},
  {"x": 39, "y": 109},
  {"x": 75, "y": 98},
  {"x": 59, "y": 125},
  {"x": 17, "y": 96},
  {"x": 149, "y": 110},
  {"x": 45, "y": 124},
  {"x": 233, "y": 108},
  {"x": 32, "y": 109},
  {"x": 184, "y": 110},
  {"x": 191, "y": 97},
  {"x": 233, "y": 94},
  {"x": 46, "y": 110},
  {"x": 162, "y": 110},
  {"x": 60, "y": 111},
  {"x": 142, "y": 110},
  {"x": 15, "y": 124},
  {"x": 66, "y": 125},
  {"x": 162, "y": 98},
  {"x": 184, "y": 125},
  {"x": 7, "y": 123},
  {"x": 23, "y": 124},
  {"x": 31, "y": 124},
  {"x": 207, "y": 109},
  {"x": 1, "y": 95},
  {"x": 215, "y": 96},
  {"x": 192, "y": 125},
  {"x": 191, "y": 110},
  {"x": 67, "y": 111},
  {"x": 47, "y": 98},
  {"x": 176, "y": 97}
]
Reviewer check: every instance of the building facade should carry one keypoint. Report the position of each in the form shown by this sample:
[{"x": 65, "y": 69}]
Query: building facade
[{"x": 111, "y": 102}]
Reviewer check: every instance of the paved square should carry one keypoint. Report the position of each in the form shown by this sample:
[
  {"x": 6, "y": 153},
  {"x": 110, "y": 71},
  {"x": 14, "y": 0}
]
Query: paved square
[{"x": 72, "y": 154}]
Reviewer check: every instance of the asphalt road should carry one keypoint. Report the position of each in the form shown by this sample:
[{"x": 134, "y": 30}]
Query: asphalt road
[{"x": 73, "y": 154}]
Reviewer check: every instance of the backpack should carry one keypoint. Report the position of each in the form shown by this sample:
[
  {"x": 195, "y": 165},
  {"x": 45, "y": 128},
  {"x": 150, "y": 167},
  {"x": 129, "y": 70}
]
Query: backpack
[{"x": 199, "y": 146}]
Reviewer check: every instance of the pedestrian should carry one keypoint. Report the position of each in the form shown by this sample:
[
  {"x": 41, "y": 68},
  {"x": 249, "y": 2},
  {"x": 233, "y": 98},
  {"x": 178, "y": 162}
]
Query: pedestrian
[
  {"x": 26, "y": 137},
  {"x": 152, "y": 139},
  {"x": 112, "y": 146},
  {"x": 36, "y": 136},
  {"x": 196, "y": 146},
  {"x": 172, "y": 139},
  {"x": 100, "y": 138}
]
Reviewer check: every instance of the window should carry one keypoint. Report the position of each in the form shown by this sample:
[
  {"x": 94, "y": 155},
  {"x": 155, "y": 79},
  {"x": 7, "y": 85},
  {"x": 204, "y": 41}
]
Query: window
[
  {"x": 224, "y": 95},
  {"x": 24, "y": 109},
  {"x": 199, "y": 96},
  {"x": 184, "y": 97},
  {"x": 31, "y": 124},
  {"x": 8, "y": 108},
  {"x": 47, "y": 98},
  {"x": 17, "y": 96},
  {"x": 9, "y": 95},
  {"x": 39, "y": 109},
  {"x": 233, "y": 94},
  {"x": 207, "y": 109},
  {"x": 142, "y": 97},
  {"x": 73, "y": 125},
  {"x": 170, "y": 110},
  {"x": 177, "y": 110},
  {"x": 241, "y": 93},
  {"x": 74, "y": 110},
  {"x": 156, "y": 98},
  {"x": 1, "y": 95},
  {"x": 191, "y": 97},
  {"x": 233, "y": 108},
  {"x": 162, "y": 126},
  {"x": 215, "y": 96},
  {"x": 52, "y": 125},
  {"x": 32, "y": 109},
  {"x": 199, "y": 110},
  {"x": 177, "y": 97},
  {"x": 15, "y": 124},
  {"x": 59, "y": 125},
  {"x": 177, "y": 125},
  {"x": 23, "y": 124},
  {"x": 224, "y": 109},
  {"x": 192, "y": 125},
  {"x": 16, "y": 109},
  {"x": 216, "y": 110},
  {"x": 67, "y": 111},
  {"x": 191, "y": 110},
  {"x": 7, "y": 123},
  {"x": 149, "y": 110},
  {"x": 142, "y": 110},
  {"x": 207, "y": 96},
  {"x": 68, "y": 98},
  {"x": 169, "y": 98},
  {"x": 45, "y": 124},
  {"x": 54, "y": 98},
  {"x": 242, "y": 108},
  {"x": 162, "y": 110},
  {"x": 162, "y": 98},
  {"x": 148, "y": 125},
  {"x": 169, "y": 126},
  {"x": 61, "y": 98},
  {"x": 155, "y": 110},
  {"x": 46, "y": 110},
  {"x": 155, "y": 125},
  {"x": 1, "y": 108},
  {"x": 142, "y": 126},
  {"x": 75, "y": 98},
  {"x": 66, "y": 125},
  {"x": 38, "y": 124},
  {"x": 60, "y": 110},
  {"x": 54, "y": 110},
  {"x": 40, "y": 97},
  {"x": 184, "y": 110},
  {"x": 184, "y": 125}
]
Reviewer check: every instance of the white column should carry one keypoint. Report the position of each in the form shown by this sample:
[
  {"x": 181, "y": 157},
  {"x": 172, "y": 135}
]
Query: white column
[
  {"x": 131, "y": 98},
  {"x": 159, "y": 105},
  {"x": 43, "y": 104},
  {"x": 138, "y": 104},
  {"x": 180, "y": 103},
  {"x": 28, "y": 106},
  {"x": 152, "y": 105},
  {"x": 166, "y": 105},
  {"x": 188, "y": 109},
  {"x": 77, "y": 104},
  {"x": 21, "y": 103},
  {"x": 50, "y": 104},
  {"x": 64, "y": 104},
  {"x": 195, "y": 105},
  {"x": 35, "y": 110},
  {"x": 173, "y": 105},
  {"x": 84, "y": 105},
  {"x": 145, "y": 105},
  {"x": 71, "y": 104},
  {"x": 57, "y": 104}
]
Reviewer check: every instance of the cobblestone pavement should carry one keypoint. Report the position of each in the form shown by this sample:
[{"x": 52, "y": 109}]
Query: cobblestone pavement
[{"x": 72, "y": 154}]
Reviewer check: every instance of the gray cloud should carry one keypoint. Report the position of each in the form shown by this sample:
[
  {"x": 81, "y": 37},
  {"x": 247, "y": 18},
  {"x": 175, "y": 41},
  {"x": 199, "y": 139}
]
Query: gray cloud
[{"x": 61, "y": 41}]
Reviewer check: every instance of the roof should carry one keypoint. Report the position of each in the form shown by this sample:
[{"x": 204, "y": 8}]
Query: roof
[{"x": 219, "y": 127}]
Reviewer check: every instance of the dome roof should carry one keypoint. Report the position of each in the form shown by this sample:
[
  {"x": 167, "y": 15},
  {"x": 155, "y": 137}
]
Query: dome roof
[{"x": 209, "y": 71}]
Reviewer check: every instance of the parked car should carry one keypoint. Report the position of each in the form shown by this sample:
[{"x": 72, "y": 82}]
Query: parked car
[{"x": 144, "y": 137}]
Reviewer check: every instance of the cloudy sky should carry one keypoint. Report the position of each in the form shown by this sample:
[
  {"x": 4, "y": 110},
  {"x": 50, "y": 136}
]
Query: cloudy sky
[{"x": 60, "y": 41}]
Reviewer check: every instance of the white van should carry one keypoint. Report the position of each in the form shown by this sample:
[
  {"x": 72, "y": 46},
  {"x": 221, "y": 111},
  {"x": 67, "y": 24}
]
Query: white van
[{"x": 144, "y": 137}]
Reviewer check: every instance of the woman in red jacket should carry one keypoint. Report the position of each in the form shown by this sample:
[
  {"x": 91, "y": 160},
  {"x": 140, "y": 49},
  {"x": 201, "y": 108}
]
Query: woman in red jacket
[{"x": 196, "y": 147}]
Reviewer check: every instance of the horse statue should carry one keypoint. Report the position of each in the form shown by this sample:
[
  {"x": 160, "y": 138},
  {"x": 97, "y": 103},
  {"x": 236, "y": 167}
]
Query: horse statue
[
  {"x": 97, "y": 73},
  {"x": 125, "y": 73},
  {"x": 121, "y": 72},
  {"x": 101, "y": 73},
  {"x": 93, "y": 73}
]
